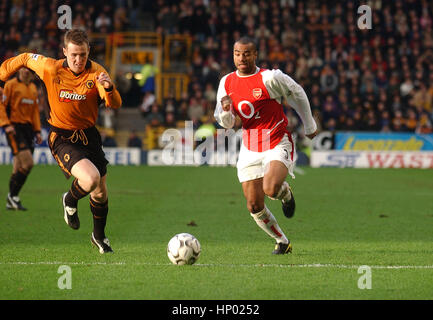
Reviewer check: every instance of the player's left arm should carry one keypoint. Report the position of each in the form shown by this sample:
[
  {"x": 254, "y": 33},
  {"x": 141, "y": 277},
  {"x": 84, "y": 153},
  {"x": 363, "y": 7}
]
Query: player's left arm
[
  {"x": 297, "y": 98},
  {"x": 107, "y": 90}
]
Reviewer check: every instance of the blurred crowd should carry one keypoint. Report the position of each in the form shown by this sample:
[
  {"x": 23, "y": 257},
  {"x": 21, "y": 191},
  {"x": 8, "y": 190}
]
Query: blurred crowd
[{"x": 378, "y": 79}]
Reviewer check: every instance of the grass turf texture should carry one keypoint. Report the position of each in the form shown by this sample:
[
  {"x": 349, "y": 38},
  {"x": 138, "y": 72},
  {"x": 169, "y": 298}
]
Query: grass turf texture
[{"x": 345, "y": 218}]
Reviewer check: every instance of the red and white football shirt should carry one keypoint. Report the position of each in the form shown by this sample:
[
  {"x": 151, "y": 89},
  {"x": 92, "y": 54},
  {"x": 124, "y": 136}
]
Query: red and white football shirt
[{"x": 257, "y": 101}]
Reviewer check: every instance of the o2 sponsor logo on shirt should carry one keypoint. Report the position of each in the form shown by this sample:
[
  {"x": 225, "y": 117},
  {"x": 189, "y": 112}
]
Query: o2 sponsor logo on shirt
[
  {"x": 69, "y": 95},
  {"x": 246, "y": 109}
]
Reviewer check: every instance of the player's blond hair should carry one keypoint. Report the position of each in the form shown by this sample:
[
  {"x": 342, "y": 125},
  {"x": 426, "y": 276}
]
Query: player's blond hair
[{"x": 76, "y": 36}]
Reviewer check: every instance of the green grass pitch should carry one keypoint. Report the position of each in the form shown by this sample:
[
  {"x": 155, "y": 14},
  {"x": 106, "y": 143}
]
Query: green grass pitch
[{"x": 345, "y": 218}]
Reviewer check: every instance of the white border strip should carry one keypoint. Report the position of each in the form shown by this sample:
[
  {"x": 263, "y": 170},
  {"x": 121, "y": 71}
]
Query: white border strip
[{"x": 314, "y": 265}]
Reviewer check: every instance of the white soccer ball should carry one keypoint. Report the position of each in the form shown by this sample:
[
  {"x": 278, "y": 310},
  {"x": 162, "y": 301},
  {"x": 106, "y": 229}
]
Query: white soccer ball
[{"x": 183, "y": 248}]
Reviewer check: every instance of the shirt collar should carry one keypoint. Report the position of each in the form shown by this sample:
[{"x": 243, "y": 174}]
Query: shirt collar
[
  {"x": 257, "y": 70},
  {"x": 88, "y": 65}
]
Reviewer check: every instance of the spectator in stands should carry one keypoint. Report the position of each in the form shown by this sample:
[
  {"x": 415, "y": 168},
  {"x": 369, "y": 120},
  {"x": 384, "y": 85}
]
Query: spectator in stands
[
  {"x": 411, "y": 121},
  {"x": 155, "y": 117},
  {"x": 170, "y": 120},
  {"x": 120, "y": 20},
  {"x": 182, "y": 111},
  {"x": 147, "y": 81},
  {"x": 148, "y": 100},
  {"x": 134, "y": 141},
  {"x": 398, "y": 122},
  {"x": 395, "y": 56},
  {"x": 102, "y": 21},
  {"x": 425, "y": 125},
  {"x": 107, "y": 137},
  {"x": 210, "y": 93},
  {"x": 168, "y": 18},
  {"x": 422, "y": 98},
  {"x": 328, "y": 79},
  {"x": 195, "y": 109}
]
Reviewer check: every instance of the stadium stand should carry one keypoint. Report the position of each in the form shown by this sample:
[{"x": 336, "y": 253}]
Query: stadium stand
[{"x": 378, "y": 79}]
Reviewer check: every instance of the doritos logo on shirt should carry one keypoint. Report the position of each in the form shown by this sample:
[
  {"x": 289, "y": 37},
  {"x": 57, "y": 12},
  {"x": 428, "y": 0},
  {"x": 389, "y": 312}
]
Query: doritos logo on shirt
[{"x": 69, "y": 95}]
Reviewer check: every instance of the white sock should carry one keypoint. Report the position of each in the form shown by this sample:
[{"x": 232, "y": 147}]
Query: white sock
[
  {"x": 267, "y": 222},
  {"x": 284, "y": 194}
]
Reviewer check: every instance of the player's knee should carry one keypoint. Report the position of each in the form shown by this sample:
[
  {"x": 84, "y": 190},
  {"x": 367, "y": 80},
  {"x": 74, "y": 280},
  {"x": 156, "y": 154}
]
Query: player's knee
[
  {"x": 99, "y": 197},
  {"x": 255, "y": 206},
  {"x": 27, "y": 167},
  {"x": 25, "y": 164},
  {"x": 91, "y": 181},
  {"x": 94, "y": 180},
  {"x": 100, "y": 194},
  {"x": 271, "y": 189}
]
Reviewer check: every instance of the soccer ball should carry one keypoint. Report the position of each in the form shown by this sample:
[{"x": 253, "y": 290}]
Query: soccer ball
[{"x": 183, "y": 248}]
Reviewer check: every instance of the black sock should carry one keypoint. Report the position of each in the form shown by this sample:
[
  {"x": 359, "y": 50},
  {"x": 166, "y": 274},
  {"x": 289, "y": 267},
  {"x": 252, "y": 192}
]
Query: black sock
[
  {"x": 74, "y": 194},
  {"x": 99, "y": 211},
  {"x": 17, "y": 181}
]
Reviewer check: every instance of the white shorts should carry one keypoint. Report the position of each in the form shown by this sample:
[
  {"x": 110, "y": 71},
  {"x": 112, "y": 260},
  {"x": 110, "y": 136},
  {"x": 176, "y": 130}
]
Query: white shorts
[{"x": 252, "y": 165}]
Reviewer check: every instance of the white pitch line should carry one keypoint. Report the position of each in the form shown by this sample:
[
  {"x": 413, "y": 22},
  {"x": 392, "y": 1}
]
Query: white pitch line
[{"x": 313, "y": 265}]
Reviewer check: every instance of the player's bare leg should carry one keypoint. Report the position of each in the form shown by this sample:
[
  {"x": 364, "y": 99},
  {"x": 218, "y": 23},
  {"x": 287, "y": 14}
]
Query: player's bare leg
[
  {"x": 255, "y": 196},
  {"x": 276, "y": 186},
  {"x": 253, "y": 192},
  {"x": 22, "y": 165},
  {"x": 87, "y": 175},
  {"x": 87, "y": 178},
  {"x": 99, "y": 209},
  {"x": 23, "y": 161}
]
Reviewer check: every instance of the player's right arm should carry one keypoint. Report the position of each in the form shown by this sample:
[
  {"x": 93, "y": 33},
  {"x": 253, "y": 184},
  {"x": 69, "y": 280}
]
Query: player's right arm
[
  {"x": 223, "y": 110},
  {"x": 35, "y": 62}
]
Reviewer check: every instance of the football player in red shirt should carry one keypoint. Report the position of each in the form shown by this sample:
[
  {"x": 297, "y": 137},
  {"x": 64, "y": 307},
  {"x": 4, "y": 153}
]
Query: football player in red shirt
[{"x": 267, "y": 152}]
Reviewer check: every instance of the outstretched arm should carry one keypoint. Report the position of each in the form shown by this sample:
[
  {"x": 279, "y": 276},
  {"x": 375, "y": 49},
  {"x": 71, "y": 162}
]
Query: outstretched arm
[{"x": 35, "y": 62}]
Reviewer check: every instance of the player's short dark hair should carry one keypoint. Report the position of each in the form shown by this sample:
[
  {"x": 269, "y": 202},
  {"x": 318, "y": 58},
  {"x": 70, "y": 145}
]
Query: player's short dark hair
[
  {"x": 76, "y": 36},
  {"x": 247, "y": 40}
]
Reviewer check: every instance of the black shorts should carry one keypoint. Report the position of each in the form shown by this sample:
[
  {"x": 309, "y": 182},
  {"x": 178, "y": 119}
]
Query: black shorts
[
  {"x": 23, "y": 139},
  {"x": 69, "y": 146}
]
